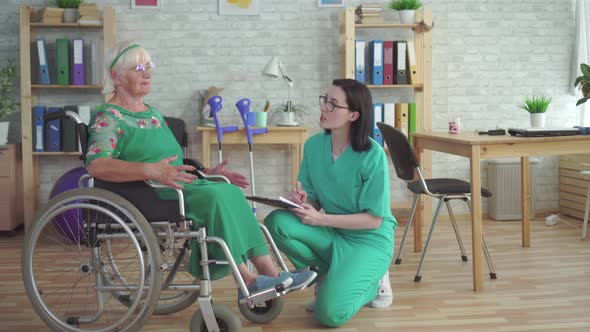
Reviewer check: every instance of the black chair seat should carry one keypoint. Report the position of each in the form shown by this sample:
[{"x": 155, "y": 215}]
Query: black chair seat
[
  {"x": 144, "y": 198},
  {"x": 445, "y": 187}
]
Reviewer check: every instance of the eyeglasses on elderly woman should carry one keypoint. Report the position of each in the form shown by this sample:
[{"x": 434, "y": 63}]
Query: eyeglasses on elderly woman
[{"x": 141, "y": 68}]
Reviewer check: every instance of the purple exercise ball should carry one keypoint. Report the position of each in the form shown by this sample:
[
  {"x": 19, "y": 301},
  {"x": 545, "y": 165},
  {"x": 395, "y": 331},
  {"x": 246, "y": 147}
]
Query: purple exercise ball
[{"x": 69, "y": 222}]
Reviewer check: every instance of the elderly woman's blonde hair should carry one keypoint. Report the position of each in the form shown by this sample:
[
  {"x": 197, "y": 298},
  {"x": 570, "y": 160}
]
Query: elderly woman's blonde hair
[{"x": 126, "y": 61}]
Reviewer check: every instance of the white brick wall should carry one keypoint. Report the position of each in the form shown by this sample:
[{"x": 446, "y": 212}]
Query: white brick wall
[{"x": 486, "y": 56}]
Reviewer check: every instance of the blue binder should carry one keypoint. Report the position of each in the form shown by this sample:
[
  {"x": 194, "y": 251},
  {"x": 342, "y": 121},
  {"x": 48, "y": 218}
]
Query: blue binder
[
  {"x": 43, "y": 70},
  {"x": 39, "y": 132},
  {"x": 377, "y": 117},
  {"x": 53, "y": 132},
  {"x": 376, "y": 58},
  {"x": 359, "y": 60}
]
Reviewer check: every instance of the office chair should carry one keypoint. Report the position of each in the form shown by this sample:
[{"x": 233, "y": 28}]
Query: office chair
[{"x": 406, "y": 165}]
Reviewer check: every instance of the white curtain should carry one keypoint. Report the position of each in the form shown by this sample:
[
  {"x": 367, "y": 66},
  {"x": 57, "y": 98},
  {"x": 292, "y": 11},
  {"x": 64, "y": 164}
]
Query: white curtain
[{"x": 581, "y": 54}]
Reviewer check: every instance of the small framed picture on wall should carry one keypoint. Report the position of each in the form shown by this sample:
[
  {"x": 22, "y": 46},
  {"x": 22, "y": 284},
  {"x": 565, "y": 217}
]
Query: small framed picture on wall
[
  {"x": 146, "y": 4},
  {"x": 239, "y": 7},
  {"x": 330, "y": 3}
]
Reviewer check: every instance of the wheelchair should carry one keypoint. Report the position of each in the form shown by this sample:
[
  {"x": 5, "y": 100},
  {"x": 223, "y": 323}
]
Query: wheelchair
[{"x": 103, "y": 257}]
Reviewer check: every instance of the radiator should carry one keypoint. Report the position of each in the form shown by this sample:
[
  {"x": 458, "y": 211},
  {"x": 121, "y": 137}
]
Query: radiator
[{"x": 504, "y": 183}]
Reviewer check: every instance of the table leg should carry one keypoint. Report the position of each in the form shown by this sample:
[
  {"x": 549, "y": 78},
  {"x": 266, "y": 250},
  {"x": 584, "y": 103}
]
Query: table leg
[
  {"x": 205, "y": 149},
  {"x": 526, "y": 201},
  {"x": 476, "y": 223},
  {"x": 418, "y": 214},
  {"x": 295, "y": 162}
]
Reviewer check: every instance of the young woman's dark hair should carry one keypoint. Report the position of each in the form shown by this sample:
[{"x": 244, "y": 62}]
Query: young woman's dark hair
[{"x": 358, "y": 98}]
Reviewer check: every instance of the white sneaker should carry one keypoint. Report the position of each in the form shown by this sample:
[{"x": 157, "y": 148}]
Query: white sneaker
[
  {"x": 384, "y": 294},
  {"x": 310, "y": 307}
]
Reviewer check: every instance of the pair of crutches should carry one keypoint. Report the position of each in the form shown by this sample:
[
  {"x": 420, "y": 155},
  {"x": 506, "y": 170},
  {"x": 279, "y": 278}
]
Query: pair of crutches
[{"x": 243, "y": 106}]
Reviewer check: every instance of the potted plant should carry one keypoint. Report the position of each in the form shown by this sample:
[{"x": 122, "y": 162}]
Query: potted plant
[
  {"x": 536, "y": 106},
  {"x": 583, "y": 83},
  {"x": 7, "y": 98},
  {"x": 406, "y": 9},
  {"x": 285, "y": 113},
  {"x": 70, "y": 9}
]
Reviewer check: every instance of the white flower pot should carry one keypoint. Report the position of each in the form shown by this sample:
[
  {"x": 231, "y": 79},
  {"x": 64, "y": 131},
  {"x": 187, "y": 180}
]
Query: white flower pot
[
  {"x": 406, "y": 16},
  {"x": 4, "y": 132},
  {"x": 70, "y": 15},
  {"x": 537, "y": 120},
  {"x": 286, "y": 119}
]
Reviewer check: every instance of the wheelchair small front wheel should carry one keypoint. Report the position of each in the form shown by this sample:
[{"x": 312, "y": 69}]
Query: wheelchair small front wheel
[
  {"x": 226, "y": 320},
  {"x": 262, "y": 313}
]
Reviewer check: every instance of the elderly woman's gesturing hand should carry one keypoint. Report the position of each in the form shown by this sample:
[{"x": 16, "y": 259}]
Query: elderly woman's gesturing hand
[{"x": 169, "y": 175}]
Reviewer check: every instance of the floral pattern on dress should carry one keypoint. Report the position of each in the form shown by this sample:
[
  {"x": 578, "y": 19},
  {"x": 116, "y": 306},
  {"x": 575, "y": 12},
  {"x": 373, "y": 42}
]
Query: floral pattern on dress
[{"x": 109, "y": 125}]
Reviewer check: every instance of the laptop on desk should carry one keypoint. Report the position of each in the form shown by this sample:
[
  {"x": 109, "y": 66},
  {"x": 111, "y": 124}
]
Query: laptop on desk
[{"x": 543, "y": 132}]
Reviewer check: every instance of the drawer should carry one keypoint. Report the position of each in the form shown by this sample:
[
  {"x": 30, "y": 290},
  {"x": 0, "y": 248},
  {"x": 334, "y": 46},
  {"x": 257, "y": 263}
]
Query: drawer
[{"x": 6, "y": 159}]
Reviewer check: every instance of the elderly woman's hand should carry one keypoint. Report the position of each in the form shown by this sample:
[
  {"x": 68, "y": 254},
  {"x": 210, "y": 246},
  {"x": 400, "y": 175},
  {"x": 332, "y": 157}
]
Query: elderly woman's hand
[
  {"x": 169, "y": 175},
  {"x": 233, "y": 177}
]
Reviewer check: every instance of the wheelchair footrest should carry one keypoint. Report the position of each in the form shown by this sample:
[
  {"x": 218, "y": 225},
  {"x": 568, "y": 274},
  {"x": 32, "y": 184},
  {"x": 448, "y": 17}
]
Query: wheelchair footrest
[{"x": 263, "y": 296}]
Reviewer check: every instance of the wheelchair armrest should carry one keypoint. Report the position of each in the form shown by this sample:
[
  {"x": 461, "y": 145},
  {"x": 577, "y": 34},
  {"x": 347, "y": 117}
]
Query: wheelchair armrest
[{"x": 199, "y": 167}]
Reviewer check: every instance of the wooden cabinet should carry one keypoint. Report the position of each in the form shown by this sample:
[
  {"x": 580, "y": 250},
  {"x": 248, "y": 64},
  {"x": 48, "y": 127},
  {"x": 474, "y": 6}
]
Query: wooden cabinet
[
  {"x": 30, "y": 91},
  {"x": 422, "y": 87},
  {"x": 11, "y": 193},
  {"x": 573, "y": 185}
]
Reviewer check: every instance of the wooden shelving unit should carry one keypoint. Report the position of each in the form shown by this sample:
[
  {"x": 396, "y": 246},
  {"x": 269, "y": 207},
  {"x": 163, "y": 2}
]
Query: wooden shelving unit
[
  {"x": 422, "y": 88},
  {"x": 29, "y": 92}
]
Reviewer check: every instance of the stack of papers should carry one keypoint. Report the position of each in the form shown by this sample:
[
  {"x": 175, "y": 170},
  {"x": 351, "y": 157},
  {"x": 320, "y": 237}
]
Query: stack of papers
[
  {"x": 89, "y": 13},
  {"x": 51, "y": 15},
  {"x": 369, "y": 13}
]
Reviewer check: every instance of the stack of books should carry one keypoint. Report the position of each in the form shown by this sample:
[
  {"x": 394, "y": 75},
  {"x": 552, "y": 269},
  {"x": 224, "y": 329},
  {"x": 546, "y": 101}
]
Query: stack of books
[
  {"x": 369, "y": 13},
  {"x": 89, "y": 13},
  {"x": 51, "y": 15}
]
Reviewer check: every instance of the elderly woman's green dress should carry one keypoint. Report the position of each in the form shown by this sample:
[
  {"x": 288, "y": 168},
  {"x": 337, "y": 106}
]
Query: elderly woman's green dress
[{"x": 117, "y": 133}]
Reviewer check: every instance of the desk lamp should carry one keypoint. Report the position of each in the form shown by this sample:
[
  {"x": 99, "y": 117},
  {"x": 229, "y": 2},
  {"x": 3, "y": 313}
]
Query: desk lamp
[{"x": 275, "y": 68}]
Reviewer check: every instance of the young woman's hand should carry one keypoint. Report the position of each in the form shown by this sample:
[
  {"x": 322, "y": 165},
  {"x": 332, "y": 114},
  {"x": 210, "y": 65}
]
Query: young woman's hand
[
  {"x": 298, "y": 195},
  {"x": 169, "y": 175},
  {"x": 309, "y": 215},
  {"x": 233, "y": 177}
]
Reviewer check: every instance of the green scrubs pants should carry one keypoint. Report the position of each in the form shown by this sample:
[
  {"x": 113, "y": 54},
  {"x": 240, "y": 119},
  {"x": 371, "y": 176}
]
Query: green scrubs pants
[{"x": 351, "y": 261}]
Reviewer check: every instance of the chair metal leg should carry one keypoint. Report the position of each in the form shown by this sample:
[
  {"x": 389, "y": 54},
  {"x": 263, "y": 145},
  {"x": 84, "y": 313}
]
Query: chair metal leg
[
  {"x": 418, "y": 276},
  {"x": 398, "y": 258},
  {"x": 456, "y": 229},
  {"x": 486, "y": 252},
  {"x": 585, "y": 224}
]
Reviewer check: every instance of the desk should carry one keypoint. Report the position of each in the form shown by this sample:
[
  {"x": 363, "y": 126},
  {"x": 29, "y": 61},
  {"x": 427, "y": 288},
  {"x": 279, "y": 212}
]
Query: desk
[
  {"x": 295, "y": 137},
  {"x": 476, "y": 147}
]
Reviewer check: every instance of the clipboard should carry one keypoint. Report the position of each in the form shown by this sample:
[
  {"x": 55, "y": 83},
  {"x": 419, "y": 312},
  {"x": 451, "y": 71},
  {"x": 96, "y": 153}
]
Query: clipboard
[{"x": 280, "y": 203}]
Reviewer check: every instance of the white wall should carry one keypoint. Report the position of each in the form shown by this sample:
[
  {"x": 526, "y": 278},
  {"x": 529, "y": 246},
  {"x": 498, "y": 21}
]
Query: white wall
[{"x": 486, "y": 56}]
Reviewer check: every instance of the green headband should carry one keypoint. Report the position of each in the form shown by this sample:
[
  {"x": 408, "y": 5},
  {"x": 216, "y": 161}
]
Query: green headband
[{"x": 123, "y": 52}]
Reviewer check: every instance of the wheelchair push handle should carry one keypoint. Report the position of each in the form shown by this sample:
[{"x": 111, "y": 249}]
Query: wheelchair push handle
[{"x": 61, "y": 114}]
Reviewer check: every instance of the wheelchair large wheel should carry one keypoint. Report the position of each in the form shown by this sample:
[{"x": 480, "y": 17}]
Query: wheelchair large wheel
[
  {"x": 262, "y": 313},
  {"x": 226, "y": 320},
  {"x": 70, "y": 281},
  {"x": 170, "y": 300}
]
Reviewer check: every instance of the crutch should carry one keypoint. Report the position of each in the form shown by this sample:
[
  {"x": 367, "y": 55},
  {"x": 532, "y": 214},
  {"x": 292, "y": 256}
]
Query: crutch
[
  {"x": 216, "y": 106},
  {"x": 243, "y": 106}
]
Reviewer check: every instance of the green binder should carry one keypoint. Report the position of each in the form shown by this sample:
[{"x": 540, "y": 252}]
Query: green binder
[
  {"x": 63, "y": 61},
  {"x": 69, "y": 134},
  {"x": 412, "y": 121}
]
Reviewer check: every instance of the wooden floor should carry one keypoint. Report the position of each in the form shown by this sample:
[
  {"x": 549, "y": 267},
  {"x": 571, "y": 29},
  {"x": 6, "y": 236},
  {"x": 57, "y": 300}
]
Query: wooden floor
[{"x": 543, "y": 288}]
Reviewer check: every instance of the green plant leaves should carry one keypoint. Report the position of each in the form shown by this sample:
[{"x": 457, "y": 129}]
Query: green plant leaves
[
  {"x": 7, "y": 98},
  {"x": 405, "y": 4},
  {"x": 535, "y": 104}
]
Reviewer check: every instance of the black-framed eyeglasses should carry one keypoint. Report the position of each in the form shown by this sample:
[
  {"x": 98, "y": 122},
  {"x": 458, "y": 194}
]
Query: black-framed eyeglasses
[{"x": 330, "y": 106}]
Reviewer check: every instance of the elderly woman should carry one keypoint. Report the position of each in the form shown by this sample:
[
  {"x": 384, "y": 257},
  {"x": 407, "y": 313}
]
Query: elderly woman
[{"x": 130, "y": 141}]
